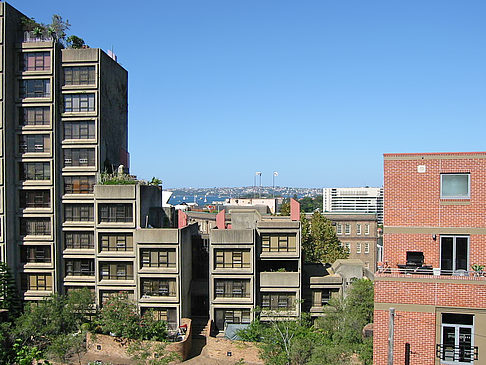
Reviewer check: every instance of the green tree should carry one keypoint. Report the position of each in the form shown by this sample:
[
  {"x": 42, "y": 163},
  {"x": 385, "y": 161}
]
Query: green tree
[
  {"x": 9, "y": 297},
  {"x": 150, "y": 353},
  {"x": 319, "y": 240},
  {"x": 75, "y": 42},
  {"x": 285, "y": 208}
]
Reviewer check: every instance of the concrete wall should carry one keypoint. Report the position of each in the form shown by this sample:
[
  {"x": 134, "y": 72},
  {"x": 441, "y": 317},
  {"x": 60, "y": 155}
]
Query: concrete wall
[{"x": 232, "y": 236}]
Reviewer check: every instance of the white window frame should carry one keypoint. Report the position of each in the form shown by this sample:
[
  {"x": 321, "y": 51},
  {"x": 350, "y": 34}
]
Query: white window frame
[
  {"x": 367, "y": 248},
  {"x": 339, "y": 228},
  {"x": 358, "y": 247},
  {"x": 367, "y": 229},
  {"x": 456, "y": 327},
  {"x": 347, "y": 229},
  {"x": 358, "y": 228},
  {"x": 457, "y": 197}
]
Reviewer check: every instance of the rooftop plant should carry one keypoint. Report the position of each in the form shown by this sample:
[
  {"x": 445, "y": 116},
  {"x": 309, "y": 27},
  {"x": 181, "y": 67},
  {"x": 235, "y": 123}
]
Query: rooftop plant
[
  {"x": 56, "y": 30},
  {"x": 116, "y": 179}
]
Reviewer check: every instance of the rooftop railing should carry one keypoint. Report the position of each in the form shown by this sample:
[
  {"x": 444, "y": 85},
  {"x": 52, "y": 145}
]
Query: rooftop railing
[
  {"x": 30, "y": 37},
  {"x": 429, "y": 270}
]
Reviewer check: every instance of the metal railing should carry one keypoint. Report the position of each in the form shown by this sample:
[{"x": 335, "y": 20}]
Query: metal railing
[
  {"x": 426, "y": 270},
  {"x": 457, "y": 353},
  {"x": 30, "y": 36}
]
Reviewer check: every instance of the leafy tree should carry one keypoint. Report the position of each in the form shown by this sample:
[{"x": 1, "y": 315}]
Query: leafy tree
[
  {"x": 75, "y": 42},
  {"x": 64, "y": 346},
  {"x": 319, "y": 240},
  {"x": 58, "y": 27},
  {"x": 149, "y": 353},
  {"x": 285, "y": 208},
  {"x": 9, "y": 297}
]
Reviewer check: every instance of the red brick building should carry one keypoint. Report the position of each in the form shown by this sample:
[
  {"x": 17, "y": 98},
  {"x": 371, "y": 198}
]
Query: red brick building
[{"x": 434, "y": 235}]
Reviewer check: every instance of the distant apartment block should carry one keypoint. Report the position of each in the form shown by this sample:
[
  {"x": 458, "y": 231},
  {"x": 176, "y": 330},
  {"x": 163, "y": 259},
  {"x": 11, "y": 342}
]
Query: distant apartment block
[
  {"x": 433, "y": 278},
  {"x": 359, "y": 200}
]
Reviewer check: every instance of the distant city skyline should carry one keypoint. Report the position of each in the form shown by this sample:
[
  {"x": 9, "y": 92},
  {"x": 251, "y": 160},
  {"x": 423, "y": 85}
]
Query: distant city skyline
[{"x": 317, "y": 91}]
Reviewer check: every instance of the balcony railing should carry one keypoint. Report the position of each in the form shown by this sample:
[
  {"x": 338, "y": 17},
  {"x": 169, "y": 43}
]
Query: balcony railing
[
  {"x": 461, "y": 354},
  {"x": 429, "y": 270},
  {"x": 30, "y": 36}
]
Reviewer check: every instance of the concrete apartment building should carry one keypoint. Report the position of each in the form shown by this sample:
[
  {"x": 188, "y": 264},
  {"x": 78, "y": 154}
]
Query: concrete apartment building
[
  {"x": 354, "y": 200},
  {"x": 63, "y": 120},
  {"x": 358, "y": 233},
  {"x": 435, "y": 230},
  {"x": 257, "y": 262}
]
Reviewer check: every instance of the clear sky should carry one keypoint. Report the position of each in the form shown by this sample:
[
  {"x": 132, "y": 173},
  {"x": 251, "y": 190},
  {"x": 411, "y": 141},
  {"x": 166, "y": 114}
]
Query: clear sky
[{"x": 317, "y": 90}]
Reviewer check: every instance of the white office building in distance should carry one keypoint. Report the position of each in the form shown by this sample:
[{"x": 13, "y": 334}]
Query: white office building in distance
[{"x": 356, "y": 200}]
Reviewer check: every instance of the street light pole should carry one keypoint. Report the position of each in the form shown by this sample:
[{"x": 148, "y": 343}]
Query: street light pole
[{"x": 275, "y": 174}]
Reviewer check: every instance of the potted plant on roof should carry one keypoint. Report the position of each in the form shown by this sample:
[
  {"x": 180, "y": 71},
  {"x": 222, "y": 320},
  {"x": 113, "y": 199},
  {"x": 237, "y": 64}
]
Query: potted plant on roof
[{"x": 478, "y": 269}]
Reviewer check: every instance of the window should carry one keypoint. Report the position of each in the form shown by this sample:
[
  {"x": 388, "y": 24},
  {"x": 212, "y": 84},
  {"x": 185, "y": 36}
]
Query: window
[
  {"x": 358, "y": 229},
  {"x": 84, "y": 75},
  {"x": 347, "y": 246},
  {"x": 454, "y": 254},
  {"x": 35, "y": 226},
  {"x": 107, "y": 294},
  {"x": 226, "y": 316},
  {"x": 79, "y": 240},
  {"x": 35, "y": 88},
  {"x": 78, "y": 213},
  {"x": 228, "y": 288},
  {"x": 119, "y": 213},
  {"x": 169, "y": 315},
  {"x": 457, "y": 345},
  {"x": 116, "y": 242},
  {"x": 79, "y": 157},
  {"x": 80, "y": 267},
  {"x": 35, "y": 199},
  {"x": 35, "y": 254},
  {"x": 367, "y": 229},
  {"x": 79, "y": 184},
  {"x": 34, "y": 171},
  {"x": 160, "y": 257},
  {"x": 321, "y": 297},
  {"x": 339, "y": 228},
  {"x": 454, "y": 186},
  {"x": 34, "y": 143},
  {"x": 35, "y": 115},
  {"x": 278, "y": 301},
  {"x": 367, "y": 248},
  {"x": 36, "y": 282},
  {"x": 158, "y": 287},
  {"x": 35, "y": 61},
  {"x": 232, "y": 259},
  {"x": 84, "y": 129},
  {"x": 79, "y": 103},
  {"x": 116, "y": 271},
  {"x": 347, "y": 228},
  {"x": 358, "y": 247},
  {"x": 278, "y": 242}
]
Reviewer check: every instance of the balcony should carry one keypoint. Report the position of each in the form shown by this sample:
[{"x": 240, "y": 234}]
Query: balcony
[
  {"x": 457, "y": 354},
  {"x": 31, "y": 37},
  {"x": 279, "y": 279}
]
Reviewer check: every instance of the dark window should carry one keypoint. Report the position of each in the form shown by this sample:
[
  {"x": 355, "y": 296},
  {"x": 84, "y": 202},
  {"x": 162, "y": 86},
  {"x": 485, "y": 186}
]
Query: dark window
[
  {"x": 35, "y": 254},
  {"x": 165, "y": 257},
  {"x": 116, "y": 271},
  {"x": 83, "y": 75},
  {"x": 79, "y": 157},
  {"x": 278, "y": 242},
  {"x": 227, "y": 316},
  {"x": 35, "y": 226},
  {"x": 35, "y": 88},
  {"x": 116, "y": 242},
  {"x": 79, "y": 240},
  {"x": 115, "y": 213},
  {"x": 80, "y": 267},
  {"x": 79, "y": 103},
  {"x": 35, "y": 199},
  {"x": 229, "y": 288},
  {"x": 107, "y": 294},
  {"x": 36, "y": 282},
  {"x": 278, "y": 301},
  {"x": 34, "y": 171},
  {"x": 84, "y": 129},
  {"x": 29, "y": 143},
  {"x": 35, "y": 115},
  {"x": 232, "y": 258},
  {"x": 169, "y": 315},
  {"x": 158, "y": 287},
  {"x": 78, "y": 213},
  {"x": 79, "y": 184},
  {"x": 35, "y": 61},
  {"x": 454, "y": 255}
]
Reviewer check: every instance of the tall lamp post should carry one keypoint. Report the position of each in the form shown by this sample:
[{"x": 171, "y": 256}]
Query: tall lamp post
[
  {"x": 275, "y": 174},
  {"x": 258, "y": 173}
]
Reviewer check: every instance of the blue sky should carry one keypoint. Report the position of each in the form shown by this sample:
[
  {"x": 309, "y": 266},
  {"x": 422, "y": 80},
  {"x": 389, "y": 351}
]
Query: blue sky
[{"x": 317, "y": 90}]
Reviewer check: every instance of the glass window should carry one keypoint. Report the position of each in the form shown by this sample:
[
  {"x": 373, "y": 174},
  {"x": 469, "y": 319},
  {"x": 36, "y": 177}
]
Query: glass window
[
  {"x": 84, "y": 129},
  {"x": 231, "y": 258},
  {"x": 35, "y": 226},
  {"x": 79, "y": 157},
  {"x": 227, "y": 316},
  {"x": 35, "y": 199},
  {"x": 35, "y": 254},
  {"x": 79, "y": 103},
  {"x": 454, "y": 186},
  {"x": 35, "y": 115},
  {"x": 79, "y": 240},
  {"x": 231, "y": 288},
  {"x": 116, "y": 271},
  {"x": 35, "y": 61},
  {"x": 358, "y": 247},
  {"x": 358, "y": 229},
  {"x": 457, "y": 345},
  {"x": 107, "y": 294},
  {"x": 34, "y": 171},
  {"x": 116, "y": 242},
  {"x": 278, "y": 242},
  {"x": 36, "y": 282},
  {"x": 35, "y": 88},
  {"x": 347, "y": 228},
  {"x": 79, "y": 184},
  {"x": 120, "y": 213},
  {"x": 158, "y": 287},
  {"x": 80, "y": 267},
  {"x": 78, "y": 213},
  {"x": 339, "y": 228},
  {"x": 81, "y": 75},
  {"x": 160, "y": 257},
  {"x": 278, "y": 301},
  {"x": 34, "y": 143},
  {"x": 367, "y": 229},
  {"x": 367, "y": 248},
  {"x": 168, "y": 315},
  {"x": 454, "y": 254}
]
